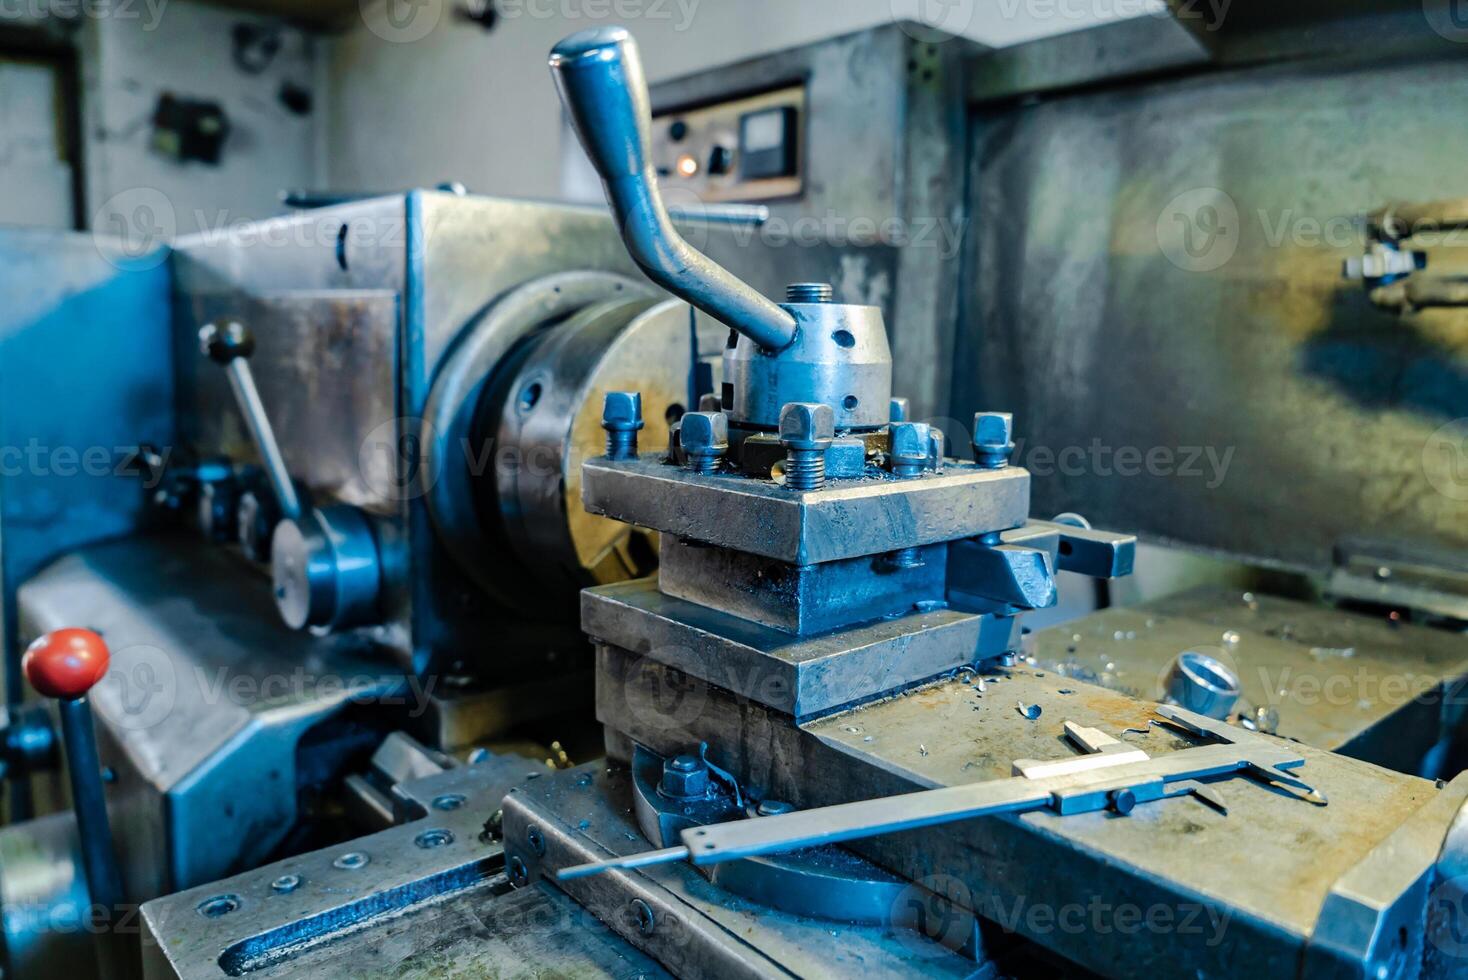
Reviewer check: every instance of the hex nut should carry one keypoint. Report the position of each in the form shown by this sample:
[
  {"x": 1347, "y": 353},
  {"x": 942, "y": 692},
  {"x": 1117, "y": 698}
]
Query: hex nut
[{"x": 685, "y": 777}]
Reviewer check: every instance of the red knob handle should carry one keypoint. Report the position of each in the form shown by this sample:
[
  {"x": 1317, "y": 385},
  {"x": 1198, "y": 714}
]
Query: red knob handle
[{"x": 65, "y": 663}]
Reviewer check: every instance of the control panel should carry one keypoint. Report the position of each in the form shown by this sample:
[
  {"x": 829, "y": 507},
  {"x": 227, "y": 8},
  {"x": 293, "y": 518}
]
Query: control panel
[{"x": 746, "y": 149}]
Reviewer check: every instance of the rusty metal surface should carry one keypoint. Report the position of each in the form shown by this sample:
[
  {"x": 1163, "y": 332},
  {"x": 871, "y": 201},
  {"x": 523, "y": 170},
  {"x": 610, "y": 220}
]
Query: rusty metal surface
[
  {"x": 1363, "y": 910},
  {"x": 800, "y": 675},
  {"x": 848, "y": 518},
  {"x": 1156, "y": 267},
  {"x": 1253, "y": 881},
  {"x": 1375, "y": 689}
]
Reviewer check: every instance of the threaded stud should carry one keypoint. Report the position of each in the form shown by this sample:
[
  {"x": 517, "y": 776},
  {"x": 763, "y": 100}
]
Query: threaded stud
[
  {"x": 809, "y": 292},
  {"x": 621, "y": 418},
  {"x": 905, "y": 558},
  {"x": 805, "y": 469}
]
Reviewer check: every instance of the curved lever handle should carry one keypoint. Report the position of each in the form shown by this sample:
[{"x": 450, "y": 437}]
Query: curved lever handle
[{"x": 599, "y": 75}]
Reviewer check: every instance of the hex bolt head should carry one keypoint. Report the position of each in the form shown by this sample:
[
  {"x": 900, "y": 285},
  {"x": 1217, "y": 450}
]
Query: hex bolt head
[
  {"x": 807, "y": 430},
  {"x": 911, "y": 448},
  {"x": 704, "y": 437},
  {"x": 621, "y": 417},
  {"x": 622, "y": 410},
  {"x": 685, "y": 777},
  {"x": 807, "y": 426},
  {"x": 993, "y": 439}
]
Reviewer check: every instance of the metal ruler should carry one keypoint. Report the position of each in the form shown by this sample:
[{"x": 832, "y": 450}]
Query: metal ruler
[{"x": 1111, "y": 776}]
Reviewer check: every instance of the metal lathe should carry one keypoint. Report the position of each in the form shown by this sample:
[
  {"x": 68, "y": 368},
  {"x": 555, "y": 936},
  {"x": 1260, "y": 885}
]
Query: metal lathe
[{"x": 491, "y": 588}]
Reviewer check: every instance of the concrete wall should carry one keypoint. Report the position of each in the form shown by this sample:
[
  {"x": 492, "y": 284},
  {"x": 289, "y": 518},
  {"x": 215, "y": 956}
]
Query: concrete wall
[
  {"x": 414, "y": 92},
  {"x": 130, "y": 53},
  {"x": 186, "y": 49},
  {"x": 419, "y": 94}
]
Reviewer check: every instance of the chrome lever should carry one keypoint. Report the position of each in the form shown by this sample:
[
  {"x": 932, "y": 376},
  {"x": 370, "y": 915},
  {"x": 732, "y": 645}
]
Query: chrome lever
[
  {"x": 230, "y": 346},
  {"x": 600, "y": 78}
]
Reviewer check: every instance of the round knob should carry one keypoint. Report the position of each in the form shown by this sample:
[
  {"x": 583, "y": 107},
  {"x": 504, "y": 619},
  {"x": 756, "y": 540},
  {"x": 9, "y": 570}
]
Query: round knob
[
  {"x": 66, "y": 663},
  {"x": 223, "y": 344}
]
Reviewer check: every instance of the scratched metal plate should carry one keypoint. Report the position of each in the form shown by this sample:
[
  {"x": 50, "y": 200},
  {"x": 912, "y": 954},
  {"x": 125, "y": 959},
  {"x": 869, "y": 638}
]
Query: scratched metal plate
[
  {"x": 1366, "y": 687},
  {"x": 1157, "y": 266},
  {"x": 1252, "y": 882}
]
